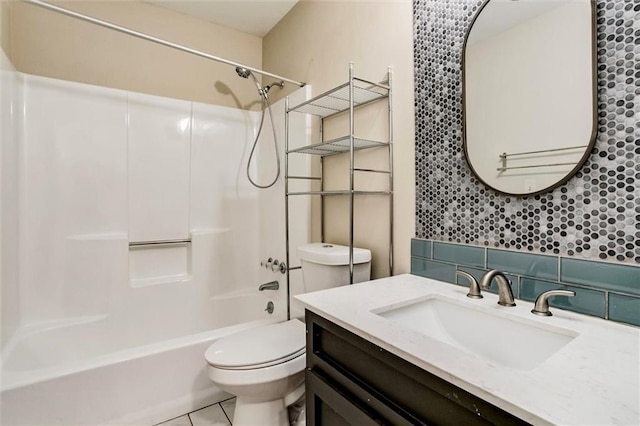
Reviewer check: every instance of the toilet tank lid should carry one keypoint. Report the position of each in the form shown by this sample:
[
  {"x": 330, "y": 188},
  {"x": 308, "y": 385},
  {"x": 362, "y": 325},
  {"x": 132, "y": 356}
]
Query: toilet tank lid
[{"x": 332, "y": 254}]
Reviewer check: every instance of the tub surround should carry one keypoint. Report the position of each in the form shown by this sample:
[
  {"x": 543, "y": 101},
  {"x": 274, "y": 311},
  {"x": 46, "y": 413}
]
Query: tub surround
[
  {"x": 605, "y": 290},
  {"x": 593, "y": 380},
  {"x": 95, "y": 303},
  {"x": 10, "y": 101}
]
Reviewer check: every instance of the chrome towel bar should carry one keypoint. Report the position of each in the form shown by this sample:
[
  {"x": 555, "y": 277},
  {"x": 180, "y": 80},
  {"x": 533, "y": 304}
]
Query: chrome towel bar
[
  {"x": 158, "y": 243},
  {"x": 504, "y": 156}
]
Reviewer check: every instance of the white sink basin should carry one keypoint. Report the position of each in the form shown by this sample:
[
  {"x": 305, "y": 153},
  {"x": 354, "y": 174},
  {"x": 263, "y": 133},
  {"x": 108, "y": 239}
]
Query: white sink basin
[{"x": 489, "y": 333}]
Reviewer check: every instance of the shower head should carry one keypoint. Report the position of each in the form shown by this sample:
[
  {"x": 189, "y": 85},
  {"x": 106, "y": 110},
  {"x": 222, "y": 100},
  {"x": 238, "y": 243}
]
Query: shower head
[{"x": 243, "y": 72}]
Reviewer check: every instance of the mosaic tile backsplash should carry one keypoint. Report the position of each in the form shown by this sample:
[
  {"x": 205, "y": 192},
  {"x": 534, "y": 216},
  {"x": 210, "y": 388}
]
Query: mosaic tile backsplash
[
  {"x": 603, "y": 289},
  {"x": 595, "y": 215}
]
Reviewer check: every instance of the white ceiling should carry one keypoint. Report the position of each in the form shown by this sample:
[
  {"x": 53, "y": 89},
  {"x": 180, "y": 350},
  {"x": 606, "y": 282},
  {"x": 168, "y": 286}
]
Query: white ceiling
[{"x": 255, "y": 17}]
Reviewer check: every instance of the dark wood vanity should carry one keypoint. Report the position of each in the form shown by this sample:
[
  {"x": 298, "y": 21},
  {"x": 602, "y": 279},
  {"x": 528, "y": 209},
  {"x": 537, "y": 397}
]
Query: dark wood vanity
[{"x": 351, "y": 381}]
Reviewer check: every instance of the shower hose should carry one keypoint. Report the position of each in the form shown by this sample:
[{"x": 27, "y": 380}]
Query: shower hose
[{"x": 265, "y": 102}]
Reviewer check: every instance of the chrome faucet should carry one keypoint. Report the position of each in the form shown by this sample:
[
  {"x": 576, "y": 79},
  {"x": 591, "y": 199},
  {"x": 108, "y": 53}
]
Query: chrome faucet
[
  {"x": 474, "y": 288},
  {"x": 271, "y": 285},
  {"x": 505, "y": 295},
  {"x": 541, "y": 306}
]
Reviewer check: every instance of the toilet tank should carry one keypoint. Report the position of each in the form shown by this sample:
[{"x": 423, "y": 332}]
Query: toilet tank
[{"x": 327, "y": 265}]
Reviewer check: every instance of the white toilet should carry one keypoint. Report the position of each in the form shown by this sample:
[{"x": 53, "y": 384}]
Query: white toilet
[{"x": 264, "y": 366}]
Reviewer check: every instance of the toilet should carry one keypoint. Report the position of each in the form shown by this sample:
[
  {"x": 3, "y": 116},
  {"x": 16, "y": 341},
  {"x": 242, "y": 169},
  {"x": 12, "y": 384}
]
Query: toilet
[{"x": 264, "y": 366}]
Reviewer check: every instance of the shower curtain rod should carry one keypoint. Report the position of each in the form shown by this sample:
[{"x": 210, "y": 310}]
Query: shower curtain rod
[{"x": 155, "y": 39}]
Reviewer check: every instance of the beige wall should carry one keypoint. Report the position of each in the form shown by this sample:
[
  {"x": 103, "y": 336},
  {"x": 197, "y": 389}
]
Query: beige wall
[
  {"x": 53, "y": 45},
  {"x": 315, "y": 43},
  {"x": 5, "y": 28}
]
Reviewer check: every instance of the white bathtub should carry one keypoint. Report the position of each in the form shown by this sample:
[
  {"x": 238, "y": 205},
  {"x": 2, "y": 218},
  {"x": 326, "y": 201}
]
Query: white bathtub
[{"x": 66, "y": 375}]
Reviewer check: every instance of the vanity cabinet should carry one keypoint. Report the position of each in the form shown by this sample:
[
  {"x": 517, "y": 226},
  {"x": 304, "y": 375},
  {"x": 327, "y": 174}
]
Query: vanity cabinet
[{"x": 350, "y": 380}]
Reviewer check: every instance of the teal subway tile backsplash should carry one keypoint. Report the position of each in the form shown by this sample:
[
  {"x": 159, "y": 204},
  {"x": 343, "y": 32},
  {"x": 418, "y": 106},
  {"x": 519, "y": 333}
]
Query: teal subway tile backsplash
[
  {"x": 418, "y": 266},
  {"x": 621, "y": 278},
  {"x": 435, "y": 270},
  {"x": 457, "y": 253},
  {"x": 421, "y": 248},
  {"x": 624, "y": 309},
  {"x": 531, "y": 265},
  {"x": 603, "y": 290},
  {"x": 590, "y": 302},
  {"x": 441, "y": 271}
]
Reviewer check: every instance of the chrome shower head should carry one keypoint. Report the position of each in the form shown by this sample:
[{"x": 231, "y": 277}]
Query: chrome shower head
[{"x": 243, "y": 72}]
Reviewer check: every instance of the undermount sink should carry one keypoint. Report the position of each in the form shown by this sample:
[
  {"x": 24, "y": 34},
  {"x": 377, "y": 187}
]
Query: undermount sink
[{"x": 496, "y": 336}]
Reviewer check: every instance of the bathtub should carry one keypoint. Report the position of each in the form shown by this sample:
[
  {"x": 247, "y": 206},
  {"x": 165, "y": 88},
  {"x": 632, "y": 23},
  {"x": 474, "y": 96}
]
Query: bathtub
[{"x": 64, "y": 374}]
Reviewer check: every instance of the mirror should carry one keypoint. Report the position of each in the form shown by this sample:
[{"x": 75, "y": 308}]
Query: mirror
[{"x": 529, "y": 93}]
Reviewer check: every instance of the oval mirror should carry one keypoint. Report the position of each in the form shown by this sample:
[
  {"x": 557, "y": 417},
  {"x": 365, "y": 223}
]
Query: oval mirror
[{"x": 529, "y": 93}]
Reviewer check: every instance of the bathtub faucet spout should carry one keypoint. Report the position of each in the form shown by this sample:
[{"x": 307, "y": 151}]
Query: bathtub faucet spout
[{"x": 272, "y": 285}]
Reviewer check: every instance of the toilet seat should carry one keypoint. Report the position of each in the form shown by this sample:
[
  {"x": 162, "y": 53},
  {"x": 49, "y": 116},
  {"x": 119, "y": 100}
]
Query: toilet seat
[
  {"x": 259, "y": 347},
  {"x": 284, "y": 372},
  {"x": 272, "y": 363}
]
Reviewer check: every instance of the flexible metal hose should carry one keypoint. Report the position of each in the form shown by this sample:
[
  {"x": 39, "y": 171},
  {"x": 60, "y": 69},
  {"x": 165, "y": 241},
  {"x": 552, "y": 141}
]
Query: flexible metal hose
[{"x": 265, "y": 102}]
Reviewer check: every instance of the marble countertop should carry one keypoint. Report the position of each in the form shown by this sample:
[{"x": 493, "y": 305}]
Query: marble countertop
[{"x": 593, "y": 380}]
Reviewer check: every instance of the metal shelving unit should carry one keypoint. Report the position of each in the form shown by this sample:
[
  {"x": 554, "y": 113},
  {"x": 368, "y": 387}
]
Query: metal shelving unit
[{"x": 356, "y": 93}]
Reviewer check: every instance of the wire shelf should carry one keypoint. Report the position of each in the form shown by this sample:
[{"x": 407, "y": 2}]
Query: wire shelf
[
  {"x": 337, "y": 100},
  {"x": 340, "y": 192},
  {"x": 337, "y": 146}
]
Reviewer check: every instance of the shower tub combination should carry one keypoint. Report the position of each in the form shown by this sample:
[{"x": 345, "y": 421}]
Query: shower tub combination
[{"x": 139, "y": 243}]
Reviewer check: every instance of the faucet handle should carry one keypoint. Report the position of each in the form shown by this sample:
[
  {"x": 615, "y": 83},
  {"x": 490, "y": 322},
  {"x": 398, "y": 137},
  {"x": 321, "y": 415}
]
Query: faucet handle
[
  {"x": 474, "y": 287},
  {"x": 279, "y": 267},
  {"x": 541, "y": 307}
]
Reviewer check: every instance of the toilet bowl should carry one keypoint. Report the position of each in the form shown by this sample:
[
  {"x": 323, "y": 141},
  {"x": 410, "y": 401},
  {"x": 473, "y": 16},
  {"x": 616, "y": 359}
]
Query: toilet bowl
[{"x": 264, "y": 366}]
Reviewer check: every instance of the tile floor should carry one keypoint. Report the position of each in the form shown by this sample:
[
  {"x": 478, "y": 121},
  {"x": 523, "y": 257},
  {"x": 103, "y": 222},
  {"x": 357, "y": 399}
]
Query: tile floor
[{"x": 219, "y": 414}]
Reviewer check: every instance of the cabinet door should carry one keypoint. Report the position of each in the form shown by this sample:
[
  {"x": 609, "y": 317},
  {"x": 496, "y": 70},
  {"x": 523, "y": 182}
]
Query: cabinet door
[{"x": 331, "y": 406}]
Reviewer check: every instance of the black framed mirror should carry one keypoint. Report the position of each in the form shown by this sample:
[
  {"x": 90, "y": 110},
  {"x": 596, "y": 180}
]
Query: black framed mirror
[{"x": 529, "y": 93}]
